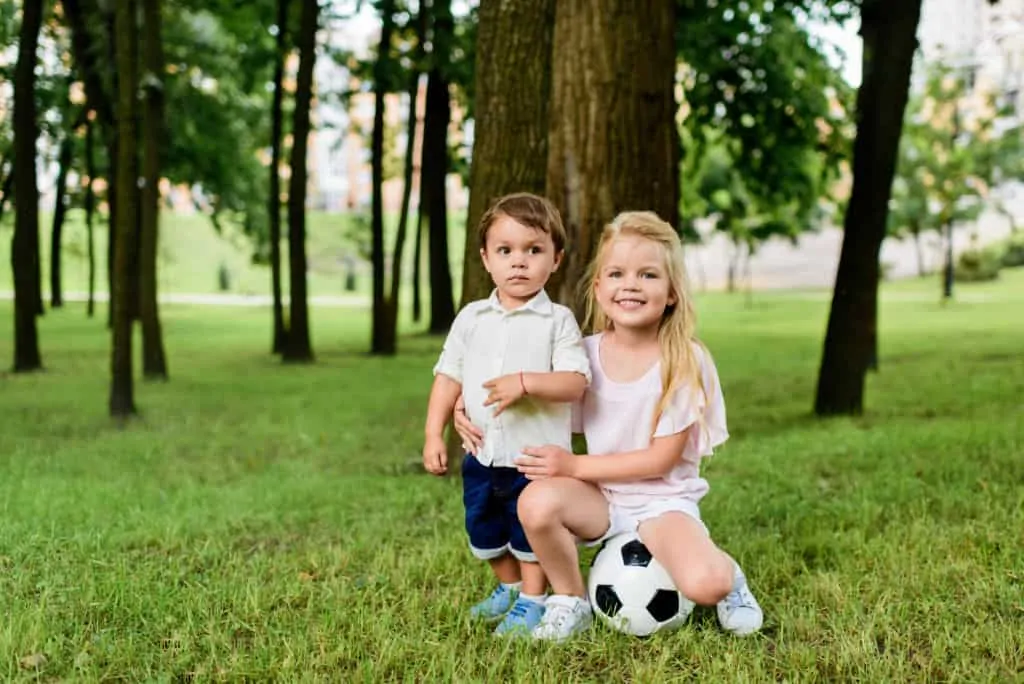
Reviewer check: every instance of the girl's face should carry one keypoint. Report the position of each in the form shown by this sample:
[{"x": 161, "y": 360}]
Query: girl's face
[{"x": 632, "y": 286}]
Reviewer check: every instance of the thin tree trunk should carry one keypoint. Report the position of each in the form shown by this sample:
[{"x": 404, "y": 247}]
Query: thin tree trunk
[
  {"x": 949, "y": 268},
  {"x": 410, "y": 162},
  {"x": 510, "y": 143},
  {"x": 417, "y": 265},
  {"x": 154, "y": 359},
  {"x": 614, "y": 144},
  {"x": 888, "y": 30},
  {"x": 280, "y": 332},
  {"x": 25, "y": 244},
  {"x": 920, "y": 253},
  {"x": 299, "y": 348},
  {"x": 437, "y": 116},
  {"x": 122, "y": 400},
  {"x": 90, "y": 209},
  {"x": 59, "y": 212},
  {"x": 381, "y": 342}
]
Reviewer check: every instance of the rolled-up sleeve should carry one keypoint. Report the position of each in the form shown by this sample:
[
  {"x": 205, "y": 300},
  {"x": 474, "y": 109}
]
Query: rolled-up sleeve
[
  {"x": 568, "y": 353},
  {"x": 453, "y": 354}
]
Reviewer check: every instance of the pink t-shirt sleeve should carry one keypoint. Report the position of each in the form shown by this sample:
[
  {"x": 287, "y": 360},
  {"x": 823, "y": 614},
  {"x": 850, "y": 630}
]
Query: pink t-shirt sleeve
[{"x": 703, "y": 410}]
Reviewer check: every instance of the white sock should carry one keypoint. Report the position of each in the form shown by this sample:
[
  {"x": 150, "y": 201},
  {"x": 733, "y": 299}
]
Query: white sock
[
  {"x": 535, "y": 598},
  {"x": 512, "y": 586}
]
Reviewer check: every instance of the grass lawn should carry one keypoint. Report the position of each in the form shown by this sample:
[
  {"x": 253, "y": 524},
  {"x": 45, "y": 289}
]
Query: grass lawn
[{"x": 273, "y": 523}]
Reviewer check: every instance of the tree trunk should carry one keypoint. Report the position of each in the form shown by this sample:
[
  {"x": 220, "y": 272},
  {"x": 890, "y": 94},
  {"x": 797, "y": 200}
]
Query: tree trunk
[
  {"x": 948, "y": 271},
  {"x": 25, "y": 247},
  {"x": 510, "y": 144},
  {"x": 90, "y": 209},
  {"x": 59, "y": 212},
  {"x": 122, "y": 400},
  {"x": 417, "y": 263},
  {"x": 299, "y": 348},
  {"x": 280, "y": 332},
  {"x": 154, "y": 360},
  {"x": 614, "y": 144},
  {"x": 920, "y": 253},
  {"x": 434, "y": 177},
  {"x": 888, "y": 30},
  {"x": 381, "y": 341},
  {"x": 5, "y": 189}
]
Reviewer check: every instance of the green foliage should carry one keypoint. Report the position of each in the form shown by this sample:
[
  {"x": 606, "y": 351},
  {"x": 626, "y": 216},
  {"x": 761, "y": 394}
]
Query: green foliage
[
  {"x": 956, "y": 148},
  {"x": 1013, "y": 251},
  {"x": 765, "y": 107},
  {"x": 256, "y": 527},
  {"x": 978, "y": 265}
]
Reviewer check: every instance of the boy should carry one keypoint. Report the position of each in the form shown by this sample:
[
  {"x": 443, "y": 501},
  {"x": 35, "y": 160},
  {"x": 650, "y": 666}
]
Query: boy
[{"x": 518, "y": 361}]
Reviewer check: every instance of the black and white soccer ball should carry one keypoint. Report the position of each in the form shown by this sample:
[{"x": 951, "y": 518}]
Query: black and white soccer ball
[{"x": 632, "y": 592}]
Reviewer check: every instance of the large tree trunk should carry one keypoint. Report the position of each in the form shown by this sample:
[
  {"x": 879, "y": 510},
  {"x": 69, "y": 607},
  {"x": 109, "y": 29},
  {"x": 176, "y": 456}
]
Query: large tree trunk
[
  {"x": 437, "y": 115},
  {"x": 299, "y": 348},
  {"x": 382, "y": 340},
  {"x": 510, "y": 144},
  {"x": 280, "y": 332},
  {"x": 90, "y": 210},
  {"x": 25, "y": 244},
  {"x": 888, "y": 30},
  {"x": 154, "y": 360},
  {"x": 59, "y": 212},
  {"x": 614, "y": 144},
  {"x": 122, "y": 400}
]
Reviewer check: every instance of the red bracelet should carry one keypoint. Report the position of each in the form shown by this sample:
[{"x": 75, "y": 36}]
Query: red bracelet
[{"x": 522, "y": 383}]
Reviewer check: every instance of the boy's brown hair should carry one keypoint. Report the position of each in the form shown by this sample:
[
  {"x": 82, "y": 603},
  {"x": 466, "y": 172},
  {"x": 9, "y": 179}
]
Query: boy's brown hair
[{"x": 526, "y": 209}]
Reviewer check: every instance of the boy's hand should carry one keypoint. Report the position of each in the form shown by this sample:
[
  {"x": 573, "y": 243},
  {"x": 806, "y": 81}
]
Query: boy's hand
[
  {"x": 435, "y": 456},
  {"x": 504, "y": 391}
]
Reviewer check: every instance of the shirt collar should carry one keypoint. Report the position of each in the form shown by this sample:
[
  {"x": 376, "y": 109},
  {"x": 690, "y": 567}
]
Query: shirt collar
[{"x": 540, "y": 304}]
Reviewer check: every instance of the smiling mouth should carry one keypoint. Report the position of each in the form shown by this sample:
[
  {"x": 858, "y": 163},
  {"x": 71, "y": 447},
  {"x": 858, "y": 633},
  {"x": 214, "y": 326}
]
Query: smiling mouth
[{"x": 630, "y": 303}]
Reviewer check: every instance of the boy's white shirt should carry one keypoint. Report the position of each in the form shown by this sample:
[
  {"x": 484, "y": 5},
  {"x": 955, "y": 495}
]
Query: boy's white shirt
[{"x": 485, "y": 342}]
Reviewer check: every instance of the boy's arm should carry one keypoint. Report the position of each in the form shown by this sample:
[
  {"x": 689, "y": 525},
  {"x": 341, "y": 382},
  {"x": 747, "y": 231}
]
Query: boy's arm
[
  {"x": 443, "y": 395},
  {"x": 555, "y": 386}
]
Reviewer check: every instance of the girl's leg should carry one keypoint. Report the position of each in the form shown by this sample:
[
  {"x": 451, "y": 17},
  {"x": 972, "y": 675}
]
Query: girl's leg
[
  {"x": 701, "y": 571},
  {"x": 534, "y": 581},
  {"x": 554, "y": 513},
  {"x": 505, "y": 568}
]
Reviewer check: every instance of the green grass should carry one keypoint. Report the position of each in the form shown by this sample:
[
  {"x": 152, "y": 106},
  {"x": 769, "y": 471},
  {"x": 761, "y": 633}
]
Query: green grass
[
  {"x": 273, "y": 523},
  {"x": 191, "y": 253}
]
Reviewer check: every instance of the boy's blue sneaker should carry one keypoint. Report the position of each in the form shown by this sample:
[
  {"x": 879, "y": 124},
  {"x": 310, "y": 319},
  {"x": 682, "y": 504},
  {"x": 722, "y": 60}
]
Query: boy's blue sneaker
[
  {"x": 496, "y": 605},
  {"x": 521, "y": 618}
]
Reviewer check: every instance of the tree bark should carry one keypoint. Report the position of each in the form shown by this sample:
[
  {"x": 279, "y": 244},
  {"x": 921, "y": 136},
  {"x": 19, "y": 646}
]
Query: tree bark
[
  {"x": 613, "y": 144},
  {"x": 59, "y": 212},
  {"x": 299, "y": 349},
  {"x": 435, "y": 166},
  {"x": 25, "y": 244},
  {"x": 510, "y": 145},
  {"x": 122, "y": 399},
  {"x": 381, "y": 341},
  {"x": 90, "y": 209},
  {"x": 154, "y": 360},
  {"x": 280, "y": 332},
  {"x": 888, "y": 30},
  {"x": 417, "y": 263}
]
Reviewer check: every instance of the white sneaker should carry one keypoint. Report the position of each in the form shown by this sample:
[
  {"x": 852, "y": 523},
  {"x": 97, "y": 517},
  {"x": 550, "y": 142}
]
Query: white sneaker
[
  {"x": 739, "y": 612},
  {"x": 564, "y": 616}
]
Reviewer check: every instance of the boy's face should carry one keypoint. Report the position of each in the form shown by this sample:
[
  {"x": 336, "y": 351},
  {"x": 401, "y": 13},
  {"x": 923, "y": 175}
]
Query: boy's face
[{"x": 520, "y": 260}]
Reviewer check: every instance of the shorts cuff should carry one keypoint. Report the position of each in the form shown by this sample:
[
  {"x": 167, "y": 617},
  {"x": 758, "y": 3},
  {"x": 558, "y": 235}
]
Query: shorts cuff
[
  {"x": 489, "y": 554},
  {"x": 525, "y": 556}
]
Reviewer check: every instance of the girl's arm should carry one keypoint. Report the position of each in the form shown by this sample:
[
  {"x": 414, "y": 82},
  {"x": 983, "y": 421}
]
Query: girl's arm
[{"x": 628, "y": 466}]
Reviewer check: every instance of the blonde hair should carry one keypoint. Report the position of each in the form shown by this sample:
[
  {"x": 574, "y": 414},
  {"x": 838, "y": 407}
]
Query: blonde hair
[{"x": 676, "y": 333}]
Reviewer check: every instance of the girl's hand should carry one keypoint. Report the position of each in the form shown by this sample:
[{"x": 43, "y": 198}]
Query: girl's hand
[
  {"x": 472, "y": 436},
  {"x": 538, "y": 463},
  {"x": 504, "y": 391}
]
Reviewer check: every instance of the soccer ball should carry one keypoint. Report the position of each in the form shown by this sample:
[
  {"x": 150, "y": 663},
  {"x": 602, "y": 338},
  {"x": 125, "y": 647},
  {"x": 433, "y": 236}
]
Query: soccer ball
[{"x": 632, "y": 592}]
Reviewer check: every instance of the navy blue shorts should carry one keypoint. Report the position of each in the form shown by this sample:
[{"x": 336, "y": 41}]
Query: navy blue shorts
[{"x": 490, "y": 496}]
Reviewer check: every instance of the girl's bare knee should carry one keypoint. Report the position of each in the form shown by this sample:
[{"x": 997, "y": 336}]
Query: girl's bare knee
[
  {"x": 539, "y": 505},
  {"x": 705, "y": 583}
]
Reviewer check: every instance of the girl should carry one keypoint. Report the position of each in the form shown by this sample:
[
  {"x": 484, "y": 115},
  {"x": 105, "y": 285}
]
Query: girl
[{"x": 653, "y": 410}]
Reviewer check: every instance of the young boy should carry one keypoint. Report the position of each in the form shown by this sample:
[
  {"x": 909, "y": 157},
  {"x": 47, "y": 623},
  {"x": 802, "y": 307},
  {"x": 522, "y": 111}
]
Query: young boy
[{"x": 518, "y": 361}]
